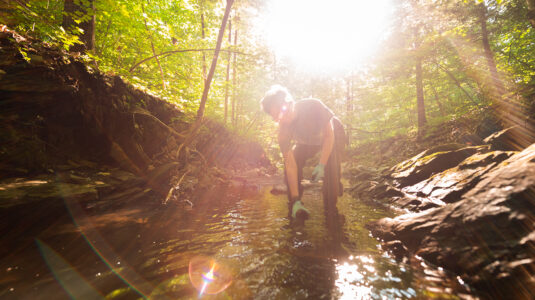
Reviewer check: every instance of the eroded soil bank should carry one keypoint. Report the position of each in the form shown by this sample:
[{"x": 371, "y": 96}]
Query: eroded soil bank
[
  {"x": 63, "y": 119},
  {"x": 71, "y": 133}
]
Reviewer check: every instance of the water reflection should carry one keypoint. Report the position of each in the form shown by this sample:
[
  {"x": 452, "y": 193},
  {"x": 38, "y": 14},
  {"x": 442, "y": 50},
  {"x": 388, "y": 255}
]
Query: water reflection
[
  {"x": 350, "y": 282},
  {"x": 358, "y": 278},
  {"x": 250, "y": 236}
]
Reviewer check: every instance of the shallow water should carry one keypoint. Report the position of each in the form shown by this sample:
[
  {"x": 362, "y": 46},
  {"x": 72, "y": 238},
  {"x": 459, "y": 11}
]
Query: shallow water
[{"x": 145, "y": 251}]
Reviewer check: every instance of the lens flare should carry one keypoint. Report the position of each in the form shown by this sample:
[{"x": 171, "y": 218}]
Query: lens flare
[
  {"x": 322, "y": 35},
  {"x": 208, "y": 276}
]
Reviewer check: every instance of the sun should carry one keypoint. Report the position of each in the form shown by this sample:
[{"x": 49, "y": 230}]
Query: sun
[{"x": 333, "y": 34}]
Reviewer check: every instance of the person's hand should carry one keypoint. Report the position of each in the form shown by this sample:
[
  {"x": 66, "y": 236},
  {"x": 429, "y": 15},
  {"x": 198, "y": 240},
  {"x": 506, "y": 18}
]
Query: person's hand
[{"x": 318, "y": 173}]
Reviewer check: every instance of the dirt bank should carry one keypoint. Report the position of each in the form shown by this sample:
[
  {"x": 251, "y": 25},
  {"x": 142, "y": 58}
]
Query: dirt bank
[{"x": 71, "y": 133}]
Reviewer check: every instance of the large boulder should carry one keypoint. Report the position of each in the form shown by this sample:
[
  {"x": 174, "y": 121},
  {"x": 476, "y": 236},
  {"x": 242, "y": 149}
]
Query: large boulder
[
  {"x": 448, "y": 186},
  {"x": 432, "y": 161},
  {"x": 487, "y": 237},
  {"x": 434, "y": 188}
]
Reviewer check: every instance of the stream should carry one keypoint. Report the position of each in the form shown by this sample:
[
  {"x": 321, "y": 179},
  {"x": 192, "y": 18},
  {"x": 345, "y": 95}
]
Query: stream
[{"x": 151, "y": 251}]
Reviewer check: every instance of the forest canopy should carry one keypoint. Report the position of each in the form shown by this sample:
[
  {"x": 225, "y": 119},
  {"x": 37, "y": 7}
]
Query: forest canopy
[{"x": 388, "y": 68}]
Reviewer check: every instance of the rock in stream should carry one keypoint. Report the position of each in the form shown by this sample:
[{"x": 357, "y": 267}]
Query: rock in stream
[{"x": 484, "y": 227}]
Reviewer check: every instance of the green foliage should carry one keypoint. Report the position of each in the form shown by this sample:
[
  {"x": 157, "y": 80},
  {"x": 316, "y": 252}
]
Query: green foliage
[
  {"x": 456, "y": 76},
  {"x": 375, "y": 102}
]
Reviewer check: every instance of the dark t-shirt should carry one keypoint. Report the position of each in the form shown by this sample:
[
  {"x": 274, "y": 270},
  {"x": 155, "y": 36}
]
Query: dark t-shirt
[{"x": 311, "y": 116}]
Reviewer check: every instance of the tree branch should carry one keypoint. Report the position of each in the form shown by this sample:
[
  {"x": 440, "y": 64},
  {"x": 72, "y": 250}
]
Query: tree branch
[
  {"x": 166, "y": 53},
  {"x": 456, "y": 81},
  {"x": 209, "y": 76}
]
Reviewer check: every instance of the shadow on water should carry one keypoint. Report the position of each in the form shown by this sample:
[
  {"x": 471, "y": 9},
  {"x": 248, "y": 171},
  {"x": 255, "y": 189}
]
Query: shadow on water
[{"x": 146, "y": 251}]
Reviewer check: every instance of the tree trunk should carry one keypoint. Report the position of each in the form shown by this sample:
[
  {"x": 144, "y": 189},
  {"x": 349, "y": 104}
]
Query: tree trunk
[
  {"x": 497, "y": 86},
  {"x": 88, "y": 37},
  {"x": 420, "y": 96},
  {"x": 203, "y": 36},
  {"x": 200, "y": 111},
  {"x": 439, "y": 103},
  {"x": 456, "y": 81},
  {"x": 531, "y": 12},
  {"x": 349, "y": 96},
  {"x": 349, "y": 106},
  {"x": 234, "y": 79},
  {"x": 275, "y": 75},
  {"x": 152, "y": 46},
  {"x": 227, "y": 77},
  {"x": 8, "y": 10}
]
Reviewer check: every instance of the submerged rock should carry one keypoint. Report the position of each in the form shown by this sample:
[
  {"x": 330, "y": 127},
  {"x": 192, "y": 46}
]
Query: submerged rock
[{"x": 488, "y": 236}]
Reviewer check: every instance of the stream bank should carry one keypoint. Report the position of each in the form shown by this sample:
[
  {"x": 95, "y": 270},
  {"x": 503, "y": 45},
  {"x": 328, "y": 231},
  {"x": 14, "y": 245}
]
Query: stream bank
[
  {"x": 72, "y": 135},
  {"x": 466, "y": 208},
  {"x": 65, "y": 122}
]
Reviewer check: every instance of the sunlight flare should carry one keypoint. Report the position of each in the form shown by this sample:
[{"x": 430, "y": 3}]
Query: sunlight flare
[
  {"x": 331, "y": 35},
  {"x": 208, "y": 276}
]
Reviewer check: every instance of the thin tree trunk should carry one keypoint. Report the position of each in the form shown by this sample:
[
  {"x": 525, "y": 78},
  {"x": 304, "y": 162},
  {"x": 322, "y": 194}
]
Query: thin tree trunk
[
  {"x": 203, "y": 36},
  {"x": 456, "y": 81},
  {"x": 152, "y": 46},
  {"x": 88, "y": 37},
  {"x": 531, "y": 12},
  {"x": 420, "y": 96},
  {"x": 489, "y": 56},
  {"x": 275, "y": 75},
  {"x": 349, "y": 96},
  {"x": 439, "y": 103},
  {"x": 104, "y": 37},
  {"x": 200, "y": 111},
  {"x": 227, "y": 77},
  {"x": 234, "y": 79},
  {"x": 349, "y": 106}
]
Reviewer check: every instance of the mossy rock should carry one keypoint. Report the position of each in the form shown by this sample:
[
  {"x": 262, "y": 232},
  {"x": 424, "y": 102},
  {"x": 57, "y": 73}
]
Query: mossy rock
[{"x": 432, "y": 161}]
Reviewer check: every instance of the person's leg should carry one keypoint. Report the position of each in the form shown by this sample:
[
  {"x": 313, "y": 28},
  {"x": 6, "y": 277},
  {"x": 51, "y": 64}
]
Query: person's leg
[
  {"x": 298, "y": 154},
  {"x": 331, "y": 186},
  {"x": 339, "y": 172},
  {"x": 340, "y": 142}
]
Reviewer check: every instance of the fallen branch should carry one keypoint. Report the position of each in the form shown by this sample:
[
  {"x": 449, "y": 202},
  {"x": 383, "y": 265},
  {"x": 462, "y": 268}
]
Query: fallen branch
[
  {"x": 201, "y": 156},
  {"x": 189, "y": 136},
  {"x": 140, "y": 111},
  {"x": 177, "y": 186}
]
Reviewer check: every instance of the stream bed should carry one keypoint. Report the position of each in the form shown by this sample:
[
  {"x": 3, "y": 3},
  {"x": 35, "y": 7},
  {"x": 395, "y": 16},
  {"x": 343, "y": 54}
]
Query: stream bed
[{"x": 144, "y": 250}]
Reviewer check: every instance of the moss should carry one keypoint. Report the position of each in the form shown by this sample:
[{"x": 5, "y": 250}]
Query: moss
[{"x": 427, "y": 158}]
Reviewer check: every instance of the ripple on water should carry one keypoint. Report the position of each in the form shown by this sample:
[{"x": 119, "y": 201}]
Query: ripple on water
[
  {"x": 265, "y": 257},
  {"x": 270, "y": 260}
]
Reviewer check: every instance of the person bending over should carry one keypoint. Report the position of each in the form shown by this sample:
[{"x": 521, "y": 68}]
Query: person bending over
[{"x": 307, "y": 127}]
